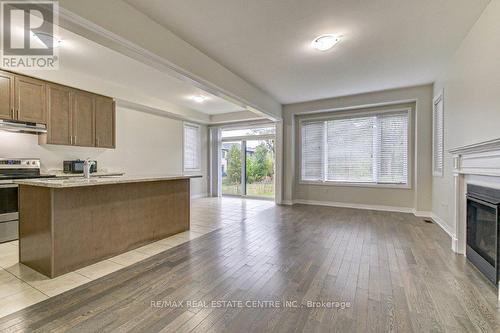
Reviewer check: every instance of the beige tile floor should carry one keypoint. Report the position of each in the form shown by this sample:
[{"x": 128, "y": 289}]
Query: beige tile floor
[{"x": 21, "y": 286}]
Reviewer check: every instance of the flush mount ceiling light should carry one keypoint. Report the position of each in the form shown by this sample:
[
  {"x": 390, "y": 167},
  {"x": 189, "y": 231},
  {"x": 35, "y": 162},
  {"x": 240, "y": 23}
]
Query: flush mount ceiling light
[
  {"x": 198, "y": 98},
  {"x": 325, "y": 42}
]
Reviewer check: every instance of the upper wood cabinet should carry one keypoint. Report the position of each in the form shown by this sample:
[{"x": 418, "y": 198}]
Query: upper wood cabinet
[
  {"x": 79, "y": 118},
  {"x": 73, "y": 117},
  {"x": 6, "y": 96},
  {"x": 22, "y": 98},
  {"x": 30, "y": 100},
  {"x": 59, "y": 127},
  {"x": 83, "y": 114},
  {"x": 104, "y": 122}
]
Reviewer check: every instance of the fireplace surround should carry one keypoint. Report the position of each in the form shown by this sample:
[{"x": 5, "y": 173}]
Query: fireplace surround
[{"x": 474, "y": 166}]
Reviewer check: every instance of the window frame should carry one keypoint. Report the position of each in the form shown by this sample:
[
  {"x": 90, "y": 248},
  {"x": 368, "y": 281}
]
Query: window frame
[
  {"x": 359, "y": 114},
  {"x": 436, "y": 100},
  {"x": 198, "y": 153}
]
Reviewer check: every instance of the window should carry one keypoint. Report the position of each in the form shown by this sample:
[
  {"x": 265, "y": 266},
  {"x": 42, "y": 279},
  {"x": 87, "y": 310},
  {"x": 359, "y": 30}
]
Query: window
[
  {"x": 438, "y": 136},
  {"x": 192, "y": 151},
  {"x": 251, "y": 131},
  {"x": 360, "y": 149}
]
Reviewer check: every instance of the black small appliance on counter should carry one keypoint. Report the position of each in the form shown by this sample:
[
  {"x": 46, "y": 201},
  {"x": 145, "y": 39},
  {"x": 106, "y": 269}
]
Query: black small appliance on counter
[{"x": 76, "y": 166}]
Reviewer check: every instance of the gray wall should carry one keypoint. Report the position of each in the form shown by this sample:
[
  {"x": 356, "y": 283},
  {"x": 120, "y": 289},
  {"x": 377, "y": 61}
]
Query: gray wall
[
  {"x": 471, "y": 86},
  {"x": 417, "y": 198}
]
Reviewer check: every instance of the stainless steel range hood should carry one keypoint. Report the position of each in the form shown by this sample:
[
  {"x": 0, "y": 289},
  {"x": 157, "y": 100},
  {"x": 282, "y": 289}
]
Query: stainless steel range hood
[{"x": 22, "y": 127}]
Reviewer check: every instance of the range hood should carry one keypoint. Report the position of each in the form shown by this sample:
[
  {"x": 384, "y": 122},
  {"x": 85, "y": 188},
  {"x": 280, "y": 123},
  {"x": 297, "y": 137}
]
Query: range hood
[{"x": 22, "y": 127}]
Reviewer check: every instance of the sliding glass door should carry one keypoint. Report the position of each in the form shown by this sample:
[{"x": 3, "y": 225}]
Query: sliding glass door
[
  {"x": 231, "y": 167},
  {"x": 259, "y": 178},
  {"x": 247, "y": 162}
]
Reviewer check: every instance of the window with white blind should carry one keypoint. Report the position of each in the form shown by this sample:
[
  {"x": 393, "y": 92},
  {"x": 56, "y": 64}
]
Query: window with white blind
[
  {"x": 438, "y": 136},
  {"x": 192, "y": 153},
  {"x": 360, "y": 149}
]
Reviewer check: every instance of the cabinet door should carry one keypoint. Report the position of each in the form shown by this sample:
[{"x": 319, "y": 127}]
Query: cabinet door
[
  {"x": 6, "y": 96},
  {"x": 83, "y": 119},
  {"x": 30, "y": 100},
  {"x": 104, "y": 122},
  {"x": 59, "y": 115}
]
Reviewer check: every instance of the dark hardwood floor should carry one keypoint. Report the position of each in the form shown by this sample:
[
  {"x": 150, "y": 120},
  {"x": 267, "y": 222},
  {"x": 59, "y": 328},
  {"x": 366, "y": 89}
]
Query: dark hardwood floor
[{"x": 388, "y": 271}]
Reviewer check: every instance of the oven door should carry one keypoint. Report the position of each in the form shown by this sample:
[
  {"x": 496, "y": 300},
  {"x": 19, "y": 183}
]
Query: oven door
[{"x": 8, "y": 212}]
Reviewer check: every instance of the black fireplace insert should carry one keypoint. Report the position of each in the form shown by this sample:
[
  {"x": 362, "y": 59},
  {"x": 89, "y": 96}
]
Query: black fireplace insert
[{"x": 482, "y": 250}]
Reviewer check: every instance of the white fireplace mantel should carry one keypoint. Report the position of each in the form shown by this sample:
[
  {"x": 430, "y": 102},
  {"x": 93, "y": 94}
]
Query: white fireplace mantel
[{"x": 479, "y": 164}]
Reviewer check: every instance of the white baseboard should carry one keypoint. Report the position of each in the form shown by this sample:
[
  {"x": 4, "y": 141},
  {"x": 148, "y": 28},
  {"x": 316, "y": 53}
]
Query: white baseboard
[
  {"x": 436, "y": 219},
  {"x": 420, "y": 213},
  {"x": 440, "y": 222},
  {"x": 425, "y": 214},
  {"x": 355, "y": 206},
  {"x": 454, "y": 246}
]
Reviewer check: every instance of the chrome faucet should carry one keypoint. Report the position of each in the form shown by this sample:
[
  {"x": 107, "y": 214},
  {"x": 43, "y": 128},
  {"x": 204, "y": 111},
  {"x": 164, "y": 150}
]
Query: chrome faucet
[{"x": 87, "y": 165}]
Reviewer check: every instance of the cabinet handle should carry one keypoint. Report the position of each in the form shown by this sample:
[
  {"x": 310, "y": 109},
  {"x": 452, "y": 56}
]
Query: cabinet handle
[
  {"x": 71, "y": 139},
  {"x": 13, "y": 113},
  {"x": 97, "y": 142}
]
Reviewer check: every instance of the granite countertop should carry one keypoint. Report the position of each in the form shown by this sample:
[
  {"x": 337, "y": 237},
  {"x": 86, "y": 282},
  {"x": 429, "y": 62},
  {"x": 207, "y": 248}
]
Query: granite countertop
[
  {"x": 99, "y": 173},
  {"x": 99, "y": 180}
]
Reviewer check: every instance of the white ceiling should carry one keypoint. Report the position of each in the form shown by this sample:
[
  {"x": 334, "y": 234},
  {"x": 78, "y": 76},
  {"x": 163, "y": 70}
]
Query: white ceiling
[
  {"x": 99, "y": 61},
  {"x": 78, "y": 54},
  {"x": 386, "y": 43},
  {"x": 126, "y": 78}
]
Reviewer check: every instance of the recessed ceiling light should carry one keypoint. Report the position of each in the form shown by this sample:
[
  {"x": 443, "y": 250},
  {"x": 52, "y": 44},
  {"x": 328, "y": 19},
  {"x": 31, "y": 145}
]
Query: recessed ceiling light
[
  {"x": 325, "y": 42},
  {"x": 198, "y": 98}
]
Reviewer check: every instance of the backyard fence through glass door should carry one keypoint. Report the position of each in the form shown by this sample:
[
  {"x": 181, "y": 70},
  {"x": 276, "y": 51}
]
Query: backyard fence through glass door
[{"x": 247, "y": 166}]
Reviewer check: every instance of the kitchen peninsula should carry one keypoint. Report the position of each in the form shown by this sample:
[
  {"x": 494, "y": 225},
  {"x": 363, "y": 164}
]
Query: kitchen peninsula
[{"x": 66, "y": 224}]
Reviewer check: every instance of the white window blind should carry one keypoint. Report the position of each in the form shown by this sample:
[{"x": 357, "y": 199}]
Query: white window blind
[
  {"x": 392, "y": 144},
  {"x": 191, "y": 147},
  {"x": 313, "y": 135},
  {"x": 438, "y": 137},
  {"x": 360, "y": 149},
  {"x": 350, "y": 149}
]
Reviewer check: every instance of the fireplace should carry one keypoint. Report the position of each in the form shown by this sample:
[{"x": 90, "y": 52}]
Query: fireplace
[{"x": 482, "y": 248}]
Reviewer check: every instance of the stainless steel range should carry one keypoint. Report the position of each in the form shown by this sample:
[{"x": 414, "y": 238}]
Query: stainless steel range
[{"x": 10, "y": 170}]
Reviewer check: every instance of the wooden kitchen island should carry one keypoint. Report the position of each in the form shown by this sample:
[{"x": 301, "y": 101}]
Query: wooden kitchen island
[{"x": 68, "y": 224}]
